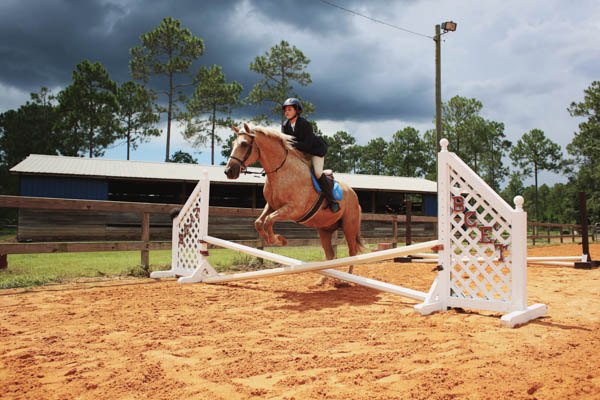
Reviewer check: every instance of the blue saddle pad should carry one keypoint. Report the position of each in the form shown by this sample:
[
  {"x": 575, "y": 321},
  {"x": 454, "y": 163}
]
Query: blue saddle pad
[{"x": 338, "y": 194}]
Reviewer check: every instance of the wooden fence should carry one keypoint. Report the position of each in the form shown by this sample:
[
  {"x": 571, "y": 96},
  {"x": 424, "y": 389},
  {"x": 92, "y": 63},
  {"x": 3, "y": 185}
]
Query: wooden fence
[
  {"x": 144, "y": 245},
  {"x": 542, "y": 232}
]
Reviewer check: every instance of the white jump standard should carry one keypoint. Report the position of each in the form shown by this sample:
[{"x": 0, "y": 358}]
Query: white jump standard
[{"x": 483, "y": 258}]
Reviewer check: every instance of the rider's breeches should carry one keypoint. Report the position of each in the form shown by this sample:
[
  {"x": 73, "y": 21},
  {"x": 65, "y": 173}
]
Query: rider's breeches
[{"x": 317, "y": 163}]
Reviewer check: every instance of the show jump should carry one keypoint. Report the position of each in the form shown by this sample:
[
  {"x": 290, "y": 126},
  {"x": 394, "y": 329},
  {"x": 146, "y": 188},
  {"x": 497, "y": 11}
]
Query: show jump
[{"x": 482, "y": 249}]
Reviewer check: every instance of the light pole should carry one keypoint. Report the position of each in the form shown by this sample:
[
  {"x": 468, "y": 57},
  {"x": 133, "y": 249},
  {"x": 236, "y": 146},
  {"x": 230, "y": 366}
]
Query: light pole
[{"x": 448, "y": 26}]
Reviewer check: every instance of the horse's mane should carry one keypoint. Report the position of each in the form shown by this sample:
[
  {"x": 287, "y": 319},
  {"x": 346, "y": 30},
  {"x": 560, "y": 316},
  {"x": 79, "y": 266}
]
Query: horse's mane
[{"x": 286, "y": 140}]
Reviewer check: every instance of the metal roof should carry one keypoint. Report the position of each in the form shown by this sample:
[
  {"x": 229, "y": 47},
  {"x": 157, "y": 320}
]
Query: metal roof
[{"x": 121, "y": 169}]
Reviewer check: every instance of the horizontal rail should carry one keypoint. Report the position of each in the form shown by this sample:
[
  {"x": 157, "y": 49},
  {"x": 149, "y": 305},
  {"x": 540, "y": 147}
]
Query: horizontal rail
[
  {"x": 68, "y": 247},
  {"x": 48, "y": 203},
  {"x": 320, "y": 265}
]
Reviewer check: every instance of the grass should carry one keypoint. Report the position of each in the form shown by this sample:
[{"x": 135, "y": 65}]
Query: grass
[{"x": 27, "y": 270}]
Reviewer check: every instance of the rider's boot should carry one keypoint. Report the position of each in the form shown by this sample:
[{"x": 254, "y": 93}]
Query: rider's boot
[{"x": 326, "y": 188}]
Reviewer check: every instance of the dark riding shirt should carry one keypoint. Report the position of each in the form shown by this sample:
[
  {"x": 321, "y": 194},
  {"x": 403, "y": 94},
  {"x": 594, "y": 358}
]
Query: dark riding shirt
[{"x": 306, "y": 140}]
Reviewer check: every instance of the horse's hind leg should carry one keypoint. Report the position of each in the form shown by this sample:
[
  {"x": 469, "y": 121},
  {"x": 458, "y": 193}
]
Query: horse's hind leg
[
  {"x": 351, "y": 228},
  {"x": 325, "y": 236}
]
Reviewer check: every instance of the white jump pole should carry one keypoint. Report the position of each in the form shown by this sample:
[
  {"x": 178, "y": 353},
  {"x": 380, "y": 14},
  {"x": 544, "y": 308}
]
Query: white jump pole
[{"x": 318, "y": 265}]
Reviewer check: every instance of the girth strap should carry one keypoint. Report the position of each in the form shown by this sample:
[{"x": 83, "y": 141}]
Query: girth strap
[{"x": 311, "y": 213}]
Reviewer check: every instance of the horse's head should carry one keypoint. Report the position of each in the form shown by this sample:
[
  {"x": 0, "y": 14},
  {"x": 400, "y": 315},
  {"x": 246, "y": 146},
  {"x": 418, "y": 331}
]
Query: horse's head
[{"x": 244, "y": 152}]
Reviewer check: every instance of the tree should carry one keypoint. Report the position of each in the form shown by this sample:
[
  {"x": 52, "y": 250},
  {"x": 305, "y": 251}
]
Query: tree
[
  {"x": 183, "y": 158},
  {"x": 28, "y": 130},
  {"x": 406, "y": 154},
  {"x": 455, "y": 122},
  {"x": 514, "y": 188},
  {"x": 495, "y": 147},
  {"x": 168, "y": 50},
  {"x": 533, "y": 153},
  {"x": 337, "y": 157},
  {"x": 280, "y": 66},
  {"x": 430, "y": 138},
  {"x": 585, "y": 148},
  {"x": 371, "y": 161},
  {"x": 136, "y": 115},
  {"x": 88, "y": 109},
  {"x": 213, "y": 97}
]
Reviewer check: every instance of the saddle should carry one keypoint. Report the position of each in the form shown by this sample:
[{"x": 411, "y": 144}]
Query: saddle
[{"x": 337, "y": 192}]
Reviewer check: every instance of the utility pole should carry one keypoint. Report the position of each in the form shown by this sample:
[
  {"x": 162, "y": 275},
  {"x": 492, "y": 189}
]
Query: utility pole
[{"x": 438, "y": 87}]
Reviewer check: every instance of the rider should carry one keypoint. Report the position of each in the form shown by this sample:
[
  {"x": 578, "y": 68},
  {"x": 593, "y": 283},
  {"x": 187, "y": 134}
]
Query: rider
[{"x": 307, "y": 142}]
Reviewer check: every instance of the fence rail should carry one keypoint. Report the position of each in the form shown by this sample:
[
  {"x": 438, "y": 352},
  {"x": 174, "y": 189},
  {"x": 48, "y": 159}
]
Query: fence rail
[{"x": 144, "y": 245}]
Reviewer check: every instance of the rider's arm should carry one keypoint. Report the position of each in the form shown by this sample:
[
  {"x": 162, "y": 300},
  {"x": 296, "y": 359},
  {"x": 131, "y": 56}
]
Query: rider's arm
[{"x": 304, "y": 135}]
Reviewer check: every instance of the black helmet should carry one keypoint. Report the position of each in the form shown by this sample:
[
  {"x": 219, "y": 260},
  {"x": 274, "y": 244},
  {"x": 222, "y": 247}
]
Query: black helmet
[{"x": 294, "y": 103}]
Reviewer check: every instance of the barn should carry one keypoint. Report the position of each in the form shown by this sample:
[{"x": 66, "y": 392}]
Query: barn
[{"x": 159, "y": 182}]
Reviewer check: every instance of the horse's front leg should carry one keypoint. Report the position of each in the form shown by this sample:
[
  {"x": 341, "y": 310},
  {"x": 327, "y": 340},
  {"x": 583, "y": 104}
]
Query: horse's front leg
[
  {"x": 280, "y": 214},
  {"x": 259, "y": 224}
]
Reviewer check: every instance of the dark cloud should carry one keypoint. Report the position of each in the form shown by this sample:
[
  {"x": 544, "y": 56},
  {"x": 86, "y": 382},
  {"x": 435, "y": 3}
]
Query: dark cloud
[{"x": 42, "y": 44}]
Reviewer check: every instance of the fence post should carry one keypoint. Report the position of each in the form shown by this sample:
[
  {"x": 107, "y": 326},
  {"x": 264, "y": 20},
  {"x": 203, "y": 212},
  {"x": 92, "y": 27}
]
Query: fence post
[
  {"x": 588, "y": 263},
  {"x": 560, "y": 229},
  {"x": 549, "y": 232},
  {"x": 395, "y": 231},
  {"x": 146, "y": 238},
  {"x": 3, "y": 261},
  {"x": 408, "y": 222}
]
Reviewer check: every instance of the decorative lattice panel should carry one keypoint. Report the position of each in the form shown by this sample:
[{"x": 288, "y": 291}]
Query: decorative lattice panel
[
  {"x": 480, "y": 242},
  {"x": 188, "y": 235}
]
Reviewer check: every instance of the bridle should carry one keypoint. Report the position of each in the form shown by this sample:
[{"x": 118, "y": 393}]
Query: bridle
[{"x": 247, "y": 155}]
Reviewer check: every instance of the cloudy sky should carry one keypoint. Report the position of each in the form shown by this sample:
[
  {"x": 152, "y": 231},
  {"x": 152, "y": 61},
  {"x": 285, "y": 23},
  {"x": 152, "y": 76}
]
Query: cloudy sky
[{"x": 526, "y": 61}]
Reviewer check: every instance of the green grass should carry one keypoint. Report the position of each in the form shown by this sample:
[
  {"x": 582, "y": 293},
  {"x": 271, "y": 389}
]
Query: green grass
[
  {"x": 7, "y": 233},
  {"x": 27, "y": 270}
]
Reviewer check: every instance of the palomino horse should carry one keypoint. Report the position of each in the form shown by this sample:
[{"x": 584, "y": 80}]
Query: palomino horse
[{"x": 289, "y": 190}]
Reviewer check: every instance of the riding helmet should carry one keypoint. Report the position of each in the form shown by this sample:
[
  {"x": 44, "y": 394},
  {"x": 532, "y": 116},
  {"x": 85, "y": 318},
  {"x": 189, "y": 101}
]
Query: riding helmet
[{"x": 292, "y": 101}]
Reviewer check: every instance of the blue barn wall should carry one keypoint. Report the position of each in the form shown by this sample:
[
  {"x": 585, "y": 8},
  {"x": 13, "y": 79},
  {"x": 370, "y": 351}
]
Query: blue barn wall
[
  {"x": 63, "y": 187},
  {"x": 430, "y": 205}
]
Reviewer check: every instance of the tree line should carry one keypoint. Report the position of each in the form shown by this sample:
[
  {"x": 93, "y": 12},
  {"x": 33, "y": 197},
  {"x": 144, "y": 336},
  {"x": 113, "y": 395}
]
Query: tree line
[{"x": 94, "y": 113}]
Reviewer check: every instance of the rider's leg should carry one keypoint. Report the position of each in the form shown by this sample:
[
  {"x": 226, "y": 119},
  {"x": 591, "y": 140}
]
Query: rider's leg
[{"x": 317, "y": 163}]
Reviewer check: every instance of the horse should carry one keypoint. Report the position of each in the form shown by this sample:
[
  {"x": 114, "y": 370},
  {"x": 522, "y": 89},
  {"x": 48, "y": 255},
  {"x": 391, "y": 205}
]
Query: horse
[{"x": 289, "y": 190}]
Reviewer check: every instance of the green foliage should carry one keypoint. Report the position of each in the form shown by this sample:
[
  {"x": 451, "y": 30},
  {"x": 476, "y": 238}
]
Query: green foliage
[
  {"x": 496, "y": 147},
  {"x": 479, "y": 142},
  {"x": 88, "y": 109},
  {"x": 213, "y": 97},
  {"x": 533, "y": 153},
  {"x": 457, "y": 123},
  {"x": 280, "y": 66},
  {"x": 341, "y": 155},
  {"x": 407, "y": 154},
  {"x": 585, "y": 148},
  {"x": 136, "y": 115},
  {"x": 28, "y": 130},
  {"x": 169, "y": 51},
  {"x": 182, "y": 157},
  {"x": 514, "y": 188},
  {"x": 430, "y": 139},
  {"x": 371, "y": 161}
]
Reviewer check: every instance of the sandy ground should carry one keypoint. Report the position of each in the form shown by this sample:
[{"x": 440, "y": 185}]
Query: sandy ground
[{"x": 282, "y": 338}]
